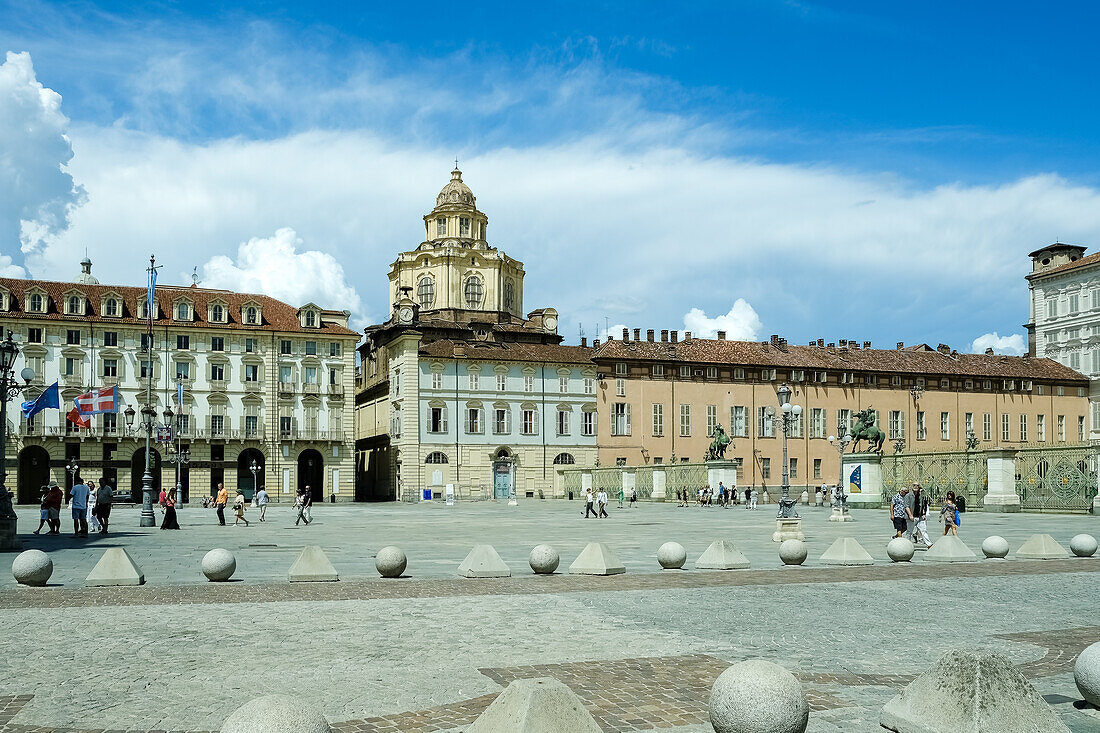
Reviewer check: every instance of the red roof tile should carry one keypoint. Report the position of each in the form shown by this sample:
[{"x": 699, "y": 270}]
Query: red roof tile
[{"x": 511, "y": 351}]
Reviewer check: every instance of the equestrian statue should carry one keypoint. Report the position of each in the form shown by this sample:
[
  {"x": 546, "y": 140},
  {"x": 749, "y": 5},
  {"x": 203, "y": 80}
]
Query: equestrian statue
[
  {"x": 717, "y": 450},
  {"x": 865, "y": 429}
]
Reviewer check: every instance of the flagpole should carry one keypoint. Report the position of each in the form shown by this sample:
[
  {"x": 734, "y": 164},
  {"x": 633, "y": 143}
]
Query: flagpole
[{"x": 147, "y": 412}]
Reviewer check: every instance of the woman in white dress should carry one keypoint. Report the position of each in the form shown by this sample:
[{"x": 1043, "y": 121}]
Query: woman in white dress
[{"x": 93, "y": 520}]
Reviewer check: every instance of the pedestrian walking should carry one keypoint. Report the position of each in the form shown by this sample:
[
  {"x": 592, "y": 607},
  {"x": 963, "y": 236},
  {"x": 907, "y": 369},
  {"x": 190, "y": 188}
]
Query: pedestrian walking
[
  {"x": 54, "y": 499},
  {"x": 920, "y": 531},
  {"x": 220, "y": 501},
  {"x": 949, "y": 514},
  {"x": 239, "y": 506},
  {"x": 752, "y": 498},
  {"x": 601, "y": 500},
  {"x": 307, "y": 494},
  {"x": 621, "y": 497},
  {"x": 93, "y": 521},
  {"x": 748, "y": 497},
  {"x": 588, "y": 501},
  {"x": 910, "y": 513},
  {"x": 300, "y": 505},
  {"x": 104, "y": 496},
  {"x": 261, "y": 501},
  {"x": 43, "y": 510},
  {"x": 78, "y": 502},
  {"x": 169, "y": 521},
  {"x": 897, "y": 511},
  {"x": 633, "y": 498},
  {"x": 721, "y": 494}
]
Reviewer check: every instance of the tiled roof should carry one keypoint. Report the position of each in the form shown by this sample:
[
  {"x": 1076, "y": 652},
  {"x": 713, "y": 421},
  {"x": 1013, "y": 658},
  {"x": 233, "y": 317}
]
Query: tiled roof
[
  {"x": 275, "y": 314},
  {"x": 920, "y": 361},
  {"x": 1085, "y": 261},
  {"x": 549, "y": 353}
]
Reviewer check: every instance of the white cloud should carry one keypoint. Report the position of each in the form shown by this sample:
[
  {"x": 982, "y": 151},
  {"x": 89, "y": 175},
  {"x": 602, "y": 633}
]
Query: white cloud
[
  {"x": 740, "y": 324},
  {"x": 36, "y": 190},
  {"x": 1014, "y": 345},
  {"x": 275, "y": 267}
]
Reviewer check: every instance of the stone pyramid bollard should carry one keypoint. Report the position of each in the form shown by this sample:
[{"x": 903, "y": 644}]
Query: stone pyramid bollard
[
  {"x": 949, "y": 548},
  {"x": 1041, "y": 547},
  {"x": 970, "y": 693},
  {"x": 597, "y": 559},
  {"x": 116, "y": 567},
  {"x": 311, "y": 566},
  {"x": 539, "y": 705},
  {"x": 721, "y": 555},
  {"x": 846, "y": 551},
  {"x": 483, "y": 562}
]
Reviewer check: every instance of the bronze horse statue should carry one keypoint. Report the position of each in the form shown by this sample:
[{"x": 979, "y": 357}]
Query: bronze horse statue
[
  {"x": 718, "y": 445},
  {"x": 865, "y": 429}
]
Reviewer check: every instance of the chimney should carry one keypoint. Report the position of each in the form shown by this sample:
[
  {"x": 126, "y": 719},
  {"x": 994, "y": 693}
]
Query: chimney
[
  {"x": 853, "y": 344},
  {"x": 775, "y": 339},
  {"x": 460, "y": 350},
  {"x": 649, "y": 335},
  {"x": 674, "y": 336},
  {"x": 637, "y": 334},
  {"x": 901, "y": 345},
  {"x": 866, "y": 344},
  {"x": 844, "y": 343},
  {"x": 721, "y": 335},
  {"x": 989, "y": 352},
  {"x": 687, "y": 335},
  {"x": 626, "y": 334},
  {"x": 831, "y": 346},
  {"x": 595, "y": 343},
  {"x": 821, "y": 342},
  {"x": 584, "y": 341},
  {"x": 664, "y": 334},
  {"x": 943, "y": 349}
]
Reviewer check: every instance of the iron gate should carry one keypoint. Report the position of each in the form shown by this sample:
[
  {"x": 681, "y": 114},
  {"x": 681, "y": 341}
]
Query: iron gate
[
  {"x": 1057, "y": 479},
  {"x": 964, "y": 472}
]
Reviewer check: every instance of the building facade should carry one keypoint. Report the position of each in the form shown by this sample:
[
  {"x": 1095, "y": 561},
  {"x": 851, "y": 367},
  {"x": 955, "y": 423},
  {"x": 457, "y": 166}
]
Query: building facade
[
  {"x": 262, "y": 380},
  {"x": 458, "y": 387},
  {"x": 660, "y": 399},
  {"x": 1064, "y": 290}
]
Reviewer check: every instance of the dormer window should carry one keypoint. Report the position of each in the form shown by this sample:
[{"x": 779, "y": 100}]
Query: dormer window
[
  {"x": 217, "y": 313},
  {"x": 145, "y": 310},
  {"x": 110, "y": 307},
  {"x": 311, "y": 319},
  {"x": 251, "y": 315},
  {"x": 3, "y": 301},
  {"x": 183, "y": 312},
  {"x": 74, "y": 306},
  {"x": 35, "y": 305}
]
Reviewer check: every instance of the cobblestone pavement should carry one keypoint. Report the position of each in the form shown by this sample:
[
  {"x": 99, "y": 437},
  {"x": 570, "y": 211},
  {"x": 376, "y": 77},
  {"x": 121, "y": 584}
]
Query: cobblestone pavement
[{"x": 430, "y": 653}]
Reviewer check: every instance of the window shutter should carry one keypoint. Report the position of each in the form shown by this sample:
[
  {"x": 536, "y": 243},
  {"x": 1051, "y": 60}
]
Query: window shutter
[
  {"x": 508, "y": 421},
  {"x": 443, "y": 416},
  {"x": 628, "y": 418}
]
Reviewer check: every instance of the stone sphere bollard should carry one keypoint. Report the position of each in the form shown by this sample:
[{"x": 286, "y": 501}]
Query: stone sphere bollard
[
  {"x": 672, "y": 555},
  {"x": 219, "y": 565},
  {"x": 758, "y": 696},
  {"x": 274, "y": 714},
  {"x": 390, "y": 562},
  {"x": 900, "y": 549},
  {"x": 543, "y": 559},
  {"x": 1083, "y": 545},
  {"x": 1086, "y": 673},
  {"x": 995, "y": 547},
  {"x": 793, "y": 552},
  {"x": 32, "y": 567}
]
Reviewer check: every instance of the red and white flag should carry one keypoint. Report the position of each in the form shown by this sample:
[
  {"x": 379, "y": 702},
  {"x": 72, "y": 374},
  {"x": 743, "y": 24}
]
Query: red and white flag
[
  {"x": 104, "y": 399},
  {"x": 75, "y": 416}
]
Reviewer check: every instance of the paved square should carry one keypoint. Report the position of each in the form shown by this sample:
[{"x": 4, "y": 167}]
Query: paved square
[{"x": 431, "y": 651}]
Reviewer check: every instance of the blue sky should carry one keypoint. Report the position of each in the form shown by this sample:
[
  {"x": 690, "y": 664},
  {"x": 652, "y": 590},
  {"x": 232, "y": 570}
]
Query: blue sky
[{"x": 875, "y": 171}]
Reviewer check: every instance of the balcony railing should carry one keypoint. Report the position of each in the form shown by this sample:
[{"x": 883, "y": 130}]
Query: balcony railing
[
  {"x": 313, "y": 435},
  {"x": 336, "y": 390},
  {"x": 252, "y": 387},
  {"x": 72, "y": 380},
  {"x": 218, "y": 385},
  {"x": 313, "y": 389}
]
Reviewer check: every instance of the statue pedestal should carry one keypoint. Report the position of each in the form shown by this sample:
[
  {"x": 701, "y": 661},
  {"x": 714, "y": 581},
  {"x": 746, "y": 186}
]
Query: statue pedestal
[
  {"x": 788, "y": 528},
  {"x": 868, "y": 493},
  {"x": 840, "y": 515},
  {"x": 721, "y": 471},
  {"x": 9, "y": 540}
]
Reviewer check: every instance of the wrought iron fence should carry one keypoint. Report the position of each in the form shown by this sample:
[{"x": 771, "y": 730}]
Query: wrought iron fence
[
  {"x": 571, "y": 481},
  {"x": 643, "y": 482},
  {"x": 685, "y": 477},
  {"x": 1057, "y": 479},
  {"x": 963, "y": 472}
]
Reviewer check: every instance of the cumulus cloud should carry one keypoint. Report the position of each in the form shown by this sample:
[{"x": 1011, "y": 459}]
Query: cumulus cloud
[
  {"x": 37, "y": 192},
  {"x": 1014, "y": 345},
  {"x": 741, "y": 323},
  {"x": 274, "y": 266}
]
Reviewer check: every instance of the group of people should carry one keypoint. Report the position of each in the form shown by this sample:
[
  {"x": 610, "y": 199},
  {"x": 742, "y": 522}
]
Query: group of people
[
  {"x": 90, "y": 506},
  {"x": 596, "y": 505},
  {"x": 909, "y": 509},
  {"x": 723, "y": 497}
]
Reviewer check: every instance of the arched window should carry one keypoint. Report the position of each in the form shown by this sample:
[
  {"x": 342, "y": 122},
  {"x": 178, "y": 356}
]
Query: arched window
[
  {"x": 509, "y": 294},
  {"x": 217, "y": 313},
  {"x": 74, "y": 304},
  {"x": 473, "y": 292},
  {"x": 112, "y": 307},
  {"x": 181, "y": 312},
  {"x": 36, "y": 303},
  {"x": 564, "y": 459},
  {"x": 311, "y": 319},
  {"x": 250, "y": 316},
  {"x": 436, "y": 458},
  {"x": 425, "y": 292}
]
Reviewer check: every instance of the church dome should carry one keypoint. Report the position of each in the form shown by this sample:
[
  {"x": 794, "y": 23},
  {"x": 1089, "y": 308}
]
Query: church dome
[
  {"x": 456, "y": 192},
  {"x": 86, "y": 277}
]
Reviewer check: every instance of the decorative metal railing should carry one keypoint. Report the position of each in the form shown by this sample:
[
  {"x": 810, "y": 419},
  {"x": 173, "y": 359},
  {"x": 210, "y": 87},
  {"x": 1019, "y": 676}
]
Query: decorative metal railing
[
  {"x": 1057, "y": 479},
  {"x": 963, "y": 472}
]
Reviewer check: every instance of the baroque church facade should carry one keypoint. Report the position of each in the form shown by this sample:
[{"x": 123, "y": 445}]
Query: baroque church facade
[{"x": 459, "y": 387}]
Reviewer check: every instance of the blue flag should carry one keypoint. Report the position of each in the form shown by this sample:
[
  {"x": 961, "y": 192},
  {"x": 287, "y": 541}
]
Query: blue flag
[
  {"x": 179, "y": 393},
  {"x": 855, "y": 481},
  {"x": 152, "y": 290},
  {"x": 50, "y": 398}
]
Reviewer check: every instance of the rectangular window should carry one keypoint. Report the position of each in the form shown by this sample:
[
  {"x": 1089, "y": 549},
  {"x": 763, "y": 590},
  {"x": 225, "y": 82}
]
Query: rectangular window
[
  {"x": 685, "y": 372},
  {"x": 285, "y": 375},
  {"x": 563, "y": 422},
  {"x": 620, "y": 388},
  {"x": 987, "y": 427},
  {"x": 34, "y": 336},
  {"x": 817, "y": 468},
  {"x": 286, "y": 424},
  {"x": 658, "y": 420},
  {"x": 620, "y": 368},
  {"x": 145, "y": 368},
  {"x": 1075, "y": 360},
  {"x": 110, "y": 367},
  {"x": 217, "y": 425},
  {"x": 475, "y": 381},
  {"x": 1074, "y": 303},
  {"x": 844, "y": 421},
  {"x": 183, "y": 370},
  {"x": 969, "y": 422},
  {"x": 1080, "y": 428},
  {"x": 796, "y": 429},
  {"x": 1061, "y": 428},
  {"x": 658, "y": 370},
  {"x": 765, "y": 468},
  {"x": 463, "y": 226},
  {"x": 588, "y": 423},
  {"x": 563, "y": 384},
  {"x": 922, "y": 426},
  {"x": 945, "y": 426},
  {"x": 502, "y": 382},
  {"x": 897, "y": 425},
  {"x": 739, "y": 373},
  {"x": 251, "y": 372},
  {"x": 473, "y": 420},
  {"x": 334, "y": 348},
  {"x": 1096, "y": 298},
  {"x": 250, "y": 346},
  {"x": 183, "y": 341},
  {"x": 739, "y": 423},
  {"x": 72, "y": 337},
  {"x": 284, "y": 347},
  {"x": 765, "y": 426},
  {"x": 712, "y": 372},
  {"x": 685, "y": 421},
  {"x": 251, "y": 425},
  {"x": 712, "y": 419},
  {"x": 217, "y": 373},
  {"x": 217, "y": 343},
  {"x": 110, "y": 338},
  {"x": 620, "y": 418},
  {"x": 1052, "y": 307},
  {"x": 437, "y": 380},
  {"x": 589, "y": 385},
  {"x": 502, "y": 421},
  {"x": 792, "y": 471},
  {"x": 1023, "y": 427},
  {"x": 1004, "y": 428},
  {"x": 110, "y": 423},
  {"x": 309, "y": 375},
  {"x": 817, "y": 422},
  {"x": 437, "y": 419},
  {"x": 441, "y": 227},
  {"x": 311, "y": 348},
  {"x": 1041, "y": 427},
  {"x": 530, "y": 422}
]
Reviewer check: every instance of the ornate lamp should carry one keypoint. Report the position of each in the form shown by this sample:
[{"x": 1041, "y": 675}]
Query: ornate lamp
[
  {"x": 129, "y": 415},
  {"x": 8, "y": 351}
]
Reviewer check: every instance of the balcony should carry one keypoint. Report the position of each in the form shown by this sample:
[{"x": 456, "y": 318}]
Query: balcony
[
  {"x": 72, "y": 380},
  {"x": 253, "y": 387},
  {"x": 336, "y": 390},
  {"x": 218, "y": 385},
  {"x": 333, "y": 436},
  {"x": 287, "y": 389},
  {"x": 311, "y": 389},
  {"x": 109, "y": 381}
]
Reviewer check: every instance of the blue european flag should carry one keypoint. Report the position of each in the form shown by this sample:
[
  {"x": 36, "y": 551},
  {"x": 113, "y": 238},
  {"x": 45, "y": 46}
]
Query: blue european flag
[{"x": 50, "y": 398}]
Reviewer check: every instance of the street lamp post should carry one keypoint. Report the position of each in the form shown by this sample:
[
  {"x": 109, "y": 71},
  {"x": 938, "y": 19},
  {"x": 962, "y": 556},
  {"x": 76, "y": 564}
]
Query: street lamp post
[
  {"x": 788, "y": 414},
  {"x": 73, "y": 468},
  {"x": 840, "y": 497},
  {"x": 254, "y": 468},
  {"x": 148, "y": 421},
  {"x": 8, "y": 390}
]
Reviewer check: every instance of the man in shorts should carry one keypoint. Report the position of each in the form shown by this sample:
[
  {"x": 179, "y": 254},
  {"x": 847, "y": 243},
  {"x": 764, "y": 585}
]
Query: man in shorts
[
  {"x": 44, "y": 511},
  {"x": 78, "y": 502},
  {"x": 54, "y": 499},
  {"x": 898, "y": 511}
]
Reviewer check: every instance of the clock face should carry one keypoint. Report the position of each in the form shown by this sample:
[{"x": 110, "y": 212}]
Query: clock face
[
  {"x": 551, "y": 323},
  {"x": 405, "y": 314}
]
